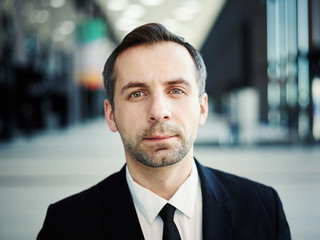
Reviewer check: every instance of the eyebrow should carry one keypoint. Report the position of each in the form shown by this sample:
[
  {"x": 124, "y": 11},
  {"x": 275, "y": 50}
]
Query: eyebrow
[
  {"x": 179, "y": 81},
  {"x": 133, "y": 85},
  {"x": 143, "y": 85}
]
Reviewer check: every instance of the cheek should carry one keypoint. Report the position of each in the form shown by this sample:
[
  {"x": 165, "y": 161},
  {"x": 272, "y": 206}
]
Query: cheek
[
  {"x": 128, "y": 119},
  {"x": 188, "y": 112}
]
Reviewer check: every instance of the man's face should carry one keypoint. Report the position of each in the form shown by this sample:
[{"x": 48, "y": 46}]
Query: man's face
[{"x": 156, "y": 104}]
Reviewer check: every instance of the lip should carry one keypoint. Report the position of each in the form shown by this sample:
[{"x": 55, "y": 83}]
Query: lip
[{"x": 158, "y": 138}]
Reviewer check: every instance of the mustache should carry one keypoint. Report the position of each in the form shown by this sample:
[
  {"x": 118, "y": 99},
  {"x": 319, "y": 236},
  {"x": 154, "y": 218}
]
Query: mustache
[{"x": 160, "y": 128}]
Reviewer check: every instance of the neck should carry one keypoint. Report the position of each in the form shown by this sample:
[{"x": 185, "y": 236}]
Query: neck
[{"x": 163, "y": 181}]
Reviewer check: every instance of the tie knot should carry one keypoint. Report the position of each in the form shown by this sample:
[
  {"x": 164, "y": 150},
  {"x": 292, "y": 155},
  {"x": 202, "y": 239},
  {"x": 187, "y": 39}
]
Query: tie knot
[{"x": 167, "y": 213}]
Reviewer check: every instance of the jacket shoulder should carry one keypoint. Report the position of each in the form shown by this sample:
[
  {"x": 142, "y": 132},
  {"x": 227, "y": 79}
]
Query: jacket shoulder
[
  {"x": 246, "y": 195},
  {"x": 236, "y": 184},
  {"x": 93, "y": 193},
  {"x": 80, "y": 215},
  {"x": 256, "y": 207}
]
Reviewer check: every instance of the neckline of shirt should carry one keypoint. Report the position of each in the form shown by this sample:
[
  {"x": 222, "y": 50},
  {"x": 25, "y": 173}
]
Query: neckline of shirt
[{"x": 150, "y": 204}]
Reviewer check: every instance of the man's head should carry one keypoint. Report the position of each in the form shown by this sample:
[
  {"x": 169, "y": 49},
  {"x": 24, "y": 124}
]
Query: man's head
[
  {"x": 149, "y": 34},
  {"x": 154, "y": 100}
]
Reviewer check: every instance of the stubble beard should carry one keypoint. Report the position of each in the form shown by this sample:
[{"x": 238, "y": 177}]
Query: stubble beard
[{"x": 159, "y": 154}]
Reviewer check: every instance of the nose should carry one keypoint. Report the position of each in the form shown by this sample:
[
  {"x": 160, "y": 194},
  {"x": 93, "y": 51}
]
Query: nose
[{"x": 159, "y": 109}]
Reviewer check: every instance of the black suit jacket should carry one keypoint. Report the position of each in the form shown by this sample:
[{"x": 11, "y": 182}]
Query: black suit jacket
[{"x": 233, "y": 208}]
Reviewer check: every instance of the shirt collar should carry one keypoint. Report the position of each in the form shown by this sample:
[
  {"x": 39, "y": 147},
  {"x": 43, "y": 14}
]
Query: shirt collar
[{"x": 150, "y": 203}]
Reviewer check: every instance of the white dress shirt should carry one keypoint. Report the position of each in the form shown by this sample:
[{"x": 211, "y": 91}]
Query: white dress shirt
[{"x": 187, "y": 200}]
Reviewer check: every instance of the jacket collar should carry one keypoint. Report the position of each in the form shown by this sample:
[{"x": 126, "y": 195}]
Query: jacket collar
[
  {"x": 217, "y": 206},
  {"x": 121, "y": 221}
]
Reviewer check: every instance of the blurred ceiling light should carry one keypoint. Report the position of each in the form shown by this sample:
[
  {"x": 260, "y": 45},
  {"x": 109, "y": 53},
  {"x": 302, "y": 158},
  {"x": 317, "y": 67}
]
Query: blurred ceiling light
[
  {"x": 126, "y": 24},
  {"x": 187, "y": 11},
  {"x": 193, "y": 4},
  {"x": 67, "y": 27},
  {"x": 57, "y": 3},
  {"x": 38, "y": 16},
  {"x": 151, "y": 2},
  {"x": 129, "y": 17},
  {"x": 316, "y": 90},
  {"x": 172, "y": 24},
  {"x": 33, "y": 16},
  {"x": 316, "y": 104},
  {"x": 117, "y": 5},
  {"x": 57, "y": 36},
  {"x": 43, "y": 16},
  {"x": 134, "y": 11}
]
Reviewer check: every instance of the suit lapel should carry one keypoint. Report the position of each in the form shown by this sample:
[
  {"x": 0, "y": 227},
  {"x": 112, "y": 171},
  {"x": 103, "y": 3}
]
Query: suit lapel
[
  {"x": 121, "y": 220},
  {"x": 217, "y": 206}
]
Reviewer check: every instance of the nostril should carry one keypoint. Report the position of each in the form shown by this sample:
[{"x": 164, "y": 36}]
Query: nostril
[{"x": 159, "y": 118}]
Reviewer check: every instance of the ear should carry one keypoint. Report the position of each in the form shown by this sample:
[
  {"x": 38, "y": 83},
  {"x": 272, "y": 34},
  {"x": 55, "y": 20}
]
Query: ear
[
  {"x": 109, "y": 115},
  {"x": 204, "y": 108}
]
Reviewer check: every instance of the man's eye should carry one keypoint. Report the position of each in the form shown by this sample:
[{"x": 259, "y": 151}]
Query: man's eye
[
  {"x": 176, "y": 91},
  {"x": 136, "y": 94}
]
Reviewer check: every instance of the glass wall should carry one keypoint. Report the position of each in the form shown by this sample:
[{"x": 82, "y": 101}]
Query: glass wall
[
  {"x": 52, "y": 54},
  {"x": 291, "y": 99}
]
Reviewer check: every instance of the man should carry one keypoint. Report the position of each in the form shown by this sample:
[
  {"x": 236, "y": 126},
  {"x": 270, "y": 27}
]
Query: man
[{"x": 156, "y": 100}]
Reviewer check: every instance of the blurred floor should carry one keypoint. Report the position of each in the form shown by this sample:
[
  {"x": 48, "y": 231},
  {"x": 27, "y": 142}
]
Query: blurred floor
[{"x": 52, "y": 165}]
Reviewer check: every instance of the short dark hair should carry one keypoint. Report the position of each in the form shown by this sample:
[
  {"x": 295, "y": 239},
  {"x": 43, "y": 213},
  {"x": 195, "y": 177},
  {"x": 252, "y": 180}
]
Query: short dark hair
[{"x": 146, "y": 35}]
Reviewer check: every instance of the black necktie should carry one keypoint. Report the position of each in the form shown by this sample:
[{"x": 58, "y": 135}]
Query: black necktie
[{"x": 170, "y": 231}]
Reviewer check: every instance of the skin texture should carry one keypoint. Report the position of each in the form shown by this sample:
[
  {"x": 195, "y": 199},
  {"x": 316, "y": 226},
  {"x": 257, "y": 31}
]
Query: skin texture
[{"x": 157, "y": 112}]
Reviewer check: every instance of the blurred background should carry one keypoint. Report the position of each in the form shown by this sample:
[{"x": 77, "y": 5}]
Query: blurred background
[{"x": 263, "y": 63}]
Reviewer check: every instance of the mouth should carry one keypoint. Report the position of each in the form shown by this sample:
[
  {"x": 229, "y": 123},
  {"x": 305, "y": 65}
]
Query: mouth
[{"x": 158, "y": 138}]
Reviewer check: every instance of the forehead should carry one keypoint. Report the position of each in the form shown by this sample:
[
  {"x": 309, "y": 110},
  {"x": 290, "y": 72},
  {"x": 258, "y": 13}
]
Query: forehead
[{"x": 158, "y": 62}]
